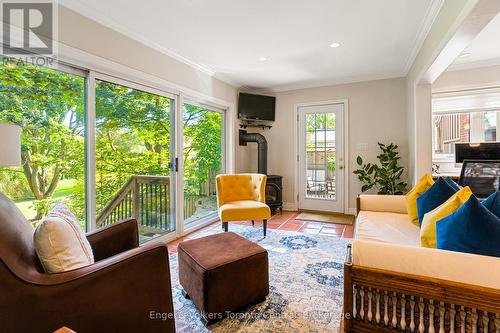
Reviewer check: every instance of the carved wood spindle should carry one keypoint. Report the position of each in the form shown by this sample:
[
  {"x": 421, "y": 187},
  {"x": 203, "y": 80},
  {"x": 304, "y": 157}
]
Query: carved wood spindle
[
  {"x": 390, "y": 311},
  {"x": 358, "y": 303},
  {"x": 416, "y": 314},
  {"x": 365, "y": 304},
  {"x": 480, "y": 321},
  {"x": 407, "y": 313},
  {"x": 374, "y": 306},
  {"x": 385, "y": 321},
  {"x": 458, "y": 318},
  {"x": 426, "y": 316},
  {"x": 380, "y": 308},
  {"x": 398, "y": 311},
  {"x": 492, "y": 327},
  {"x": 468, "y": 320},
  {"x": 447, "y": 318},
  {"x": 437, "y": 316}
]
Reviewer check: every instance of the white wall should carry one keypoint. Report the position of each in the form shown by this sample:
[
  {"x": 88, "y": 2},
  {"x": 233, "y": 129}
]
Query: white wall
[
  {"x": 468, "y": 79},
  {"x": 376, "y": 113}
]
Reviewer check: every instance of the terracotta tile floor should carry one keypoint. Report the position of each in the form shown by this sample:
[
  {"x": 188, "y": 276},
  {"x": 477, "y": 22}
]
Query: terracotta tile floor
[{"x": 286, "y": 221}]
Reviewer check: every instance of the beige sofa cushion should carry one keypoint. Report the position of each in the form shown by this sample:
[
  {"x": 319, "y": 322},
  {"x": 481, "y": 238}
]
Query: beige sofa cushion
[
  {"x": 447, "y": 265},
  {"x": 383, "y": 203},
  {"x": 60, "y": 243},
  {"x": 386, "y": 227}
]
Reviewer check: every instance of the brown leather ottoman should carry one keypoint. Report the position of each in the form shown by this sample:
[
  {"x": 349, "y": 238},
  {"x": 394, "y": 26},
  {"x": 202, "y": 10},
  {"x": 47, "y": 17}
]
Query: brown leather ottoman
[{"x": 223, "y": 273}]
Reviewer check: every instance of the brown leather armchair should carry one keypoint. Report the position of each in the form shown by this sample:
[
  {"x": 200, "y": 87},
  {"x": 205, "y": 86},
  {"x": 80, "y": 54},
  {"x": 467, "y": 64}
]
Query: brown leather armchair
[{"x": 128, "y": 288}]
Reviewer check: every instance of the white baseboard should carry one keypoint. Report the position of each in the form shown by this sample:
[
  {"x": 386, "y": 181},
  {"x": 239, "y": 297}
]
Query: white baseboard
[{"x": 290, "y": 206}]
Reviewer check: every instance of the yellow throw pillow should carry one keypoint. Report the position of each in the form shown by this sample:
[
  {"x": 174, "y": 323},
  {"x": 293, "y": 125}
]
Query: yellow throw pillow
[
  {"x": 428, "y": 228},
  {"x": 411, "y": 197}
]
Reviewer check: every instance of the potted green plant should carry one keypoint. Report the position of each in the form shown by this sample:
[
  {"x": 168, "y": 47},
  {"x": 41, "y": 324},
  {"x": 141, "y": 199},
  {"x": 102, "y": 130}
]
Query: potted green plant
[{"x": 385, "y": 176}]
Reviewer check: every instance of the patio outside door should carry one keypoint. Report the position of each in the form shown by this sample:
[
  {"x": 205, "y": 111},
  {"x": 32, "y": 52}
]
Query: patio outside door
[{"x": 321, "y": 157}]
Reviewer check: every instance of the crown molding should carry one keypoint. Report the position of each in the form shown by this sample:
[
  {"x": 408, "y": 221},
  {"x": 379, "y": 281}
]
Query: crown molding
[
  {"x": 333, "y": 82},
  {"x": 427, "y": 23},
  {"x": 473, "y": 65}
]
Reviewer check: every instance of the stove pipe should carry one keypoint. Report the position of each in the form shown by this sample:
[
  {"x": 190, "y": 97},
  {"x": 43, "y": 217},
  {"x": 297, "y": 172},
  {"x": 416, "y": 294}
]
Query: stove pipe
[{"x": 261, "y": 146}]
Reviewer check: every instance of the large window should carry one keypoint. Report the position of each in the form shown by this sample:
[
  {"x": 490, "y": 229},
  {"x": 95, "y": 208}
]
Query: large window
[
  {"x": 49, "y": 106},
  {"x": 203, "y": 160},
  {"x": 458, "y": 118},
  {"x": 107, "y": 147},
  {"x": 451, "y": 128}
]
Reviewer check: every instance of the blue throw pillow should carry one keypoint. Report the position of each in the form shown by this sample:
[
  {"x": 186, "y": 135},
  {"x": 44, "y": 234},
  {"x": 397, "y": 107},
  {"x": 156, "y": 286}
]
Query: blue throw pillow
[
  {"x": 452, "y": 183},
  {"x": 493, "y": 203},
  {"x": 436, "y": 195},
  {"x": 472, "y": 228}
]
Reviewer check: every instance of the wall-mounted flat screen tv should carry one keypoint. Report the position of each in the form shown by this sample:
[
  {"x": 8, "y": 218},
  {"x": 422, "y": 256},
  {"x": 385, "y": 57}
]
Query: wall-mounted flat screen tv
[
  {"x": 256, "y": 107},
  {"x": 477, "y": 151}
]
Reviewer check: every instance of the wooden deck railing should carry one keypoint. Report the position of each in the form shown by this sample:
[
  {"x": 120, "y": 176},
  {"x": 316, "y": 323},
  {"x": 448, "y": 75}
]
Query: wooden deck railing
[{"x": 147, "y": 198}]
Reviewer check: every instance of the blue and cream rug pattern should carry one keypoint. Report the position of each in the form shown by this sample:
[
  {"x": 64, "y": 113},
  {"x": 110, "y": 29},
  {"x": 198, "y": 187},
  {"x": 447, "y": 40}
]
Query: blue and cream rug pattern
[{"x": 306, "y": 286}]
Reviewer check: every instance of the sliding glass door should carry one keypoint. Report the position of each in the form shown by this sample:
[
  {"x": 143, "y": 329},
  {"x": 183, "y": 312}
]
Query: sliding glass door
[
  {"x": 134, "y": 141},
  {"x": 110, "y": 149},
  {"x": 203, "y": 159}
]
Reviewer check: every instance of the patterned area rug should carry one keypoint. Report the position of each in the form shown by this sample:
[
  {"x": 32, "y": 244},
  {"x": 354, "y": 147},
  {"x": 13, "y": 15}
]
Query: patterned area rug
[{"x": 306, "y": 287}]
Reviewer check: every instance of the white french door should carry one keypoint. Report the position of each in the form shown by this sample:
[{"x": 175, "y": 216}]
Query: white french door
[{"x": 321, "y": 157}]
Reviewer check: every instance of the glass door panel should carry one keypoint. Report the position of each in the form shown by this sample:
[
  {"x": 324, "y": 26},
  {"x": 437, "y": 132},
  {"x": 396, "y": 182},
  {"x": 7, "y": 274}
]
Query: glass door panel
[
  {"x": 49, "y": 106},
  {"x": 133, "y": 154},
  {"x": 203, "y": 160},
  {"x": 321, "y": 157}
]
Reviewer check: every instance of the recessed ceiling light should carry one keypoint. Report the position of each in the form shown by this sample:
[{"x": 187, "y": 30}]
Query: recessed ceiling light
[
  {"x": 262, "y": 58},
  {"x": 335, "y": 44},
  {"x": 465, "y": 55}
]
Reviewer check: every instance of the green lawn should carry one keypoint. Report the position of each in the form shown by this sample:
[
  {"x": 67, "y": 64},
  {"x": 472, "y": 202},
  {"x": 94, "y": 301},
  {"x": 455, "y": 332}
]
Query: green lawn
[{"x": 63, "y": 190}]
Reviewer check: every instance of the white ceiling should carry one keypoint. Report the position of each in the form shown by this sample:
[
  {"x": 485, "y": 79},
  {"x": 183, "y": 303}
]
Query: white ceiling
[
  {"x": 379, "y": 39},
  {"x": 484, "y": 49}
]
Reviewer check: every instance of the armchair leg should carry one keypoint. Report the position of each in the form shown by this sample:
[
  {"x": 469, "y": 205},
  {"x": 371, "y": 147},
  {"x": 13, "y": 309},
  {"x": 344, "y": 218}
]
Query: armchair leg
[
  {"x": 225, "y": 225},
  {"x": 253, "y": 223},
  {"x": 264, "y": 223}
]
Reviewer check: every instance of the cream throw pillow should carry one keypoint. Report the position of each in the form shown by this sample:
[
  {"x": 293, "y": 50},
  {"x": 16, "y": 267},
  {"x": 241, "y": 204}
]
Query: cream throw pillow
[{"x": 60, "y": 243}]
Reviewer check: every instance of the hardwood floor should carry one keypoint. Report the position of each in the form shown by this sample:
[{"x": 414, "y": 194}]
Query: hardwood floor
[{"x": 287, "y": 222}]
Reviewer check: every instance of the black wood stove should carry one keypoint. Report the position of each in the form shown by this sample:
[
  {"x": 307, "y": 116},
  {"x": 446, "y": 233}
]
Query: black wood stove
[{"x": 274, "y": 185}]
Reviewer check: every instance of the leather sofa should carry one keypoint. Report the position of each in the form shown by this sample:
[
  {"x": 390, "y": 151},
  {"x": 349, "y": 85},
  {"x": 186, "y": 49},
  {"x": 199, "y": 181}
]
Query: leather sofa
[{"x": 128, "y": 289}]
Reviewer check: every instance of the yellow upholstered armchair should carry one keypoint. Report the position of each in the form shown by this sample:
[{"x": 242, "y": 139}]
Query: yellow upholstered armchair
[{"x": 242, "y": 197}]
